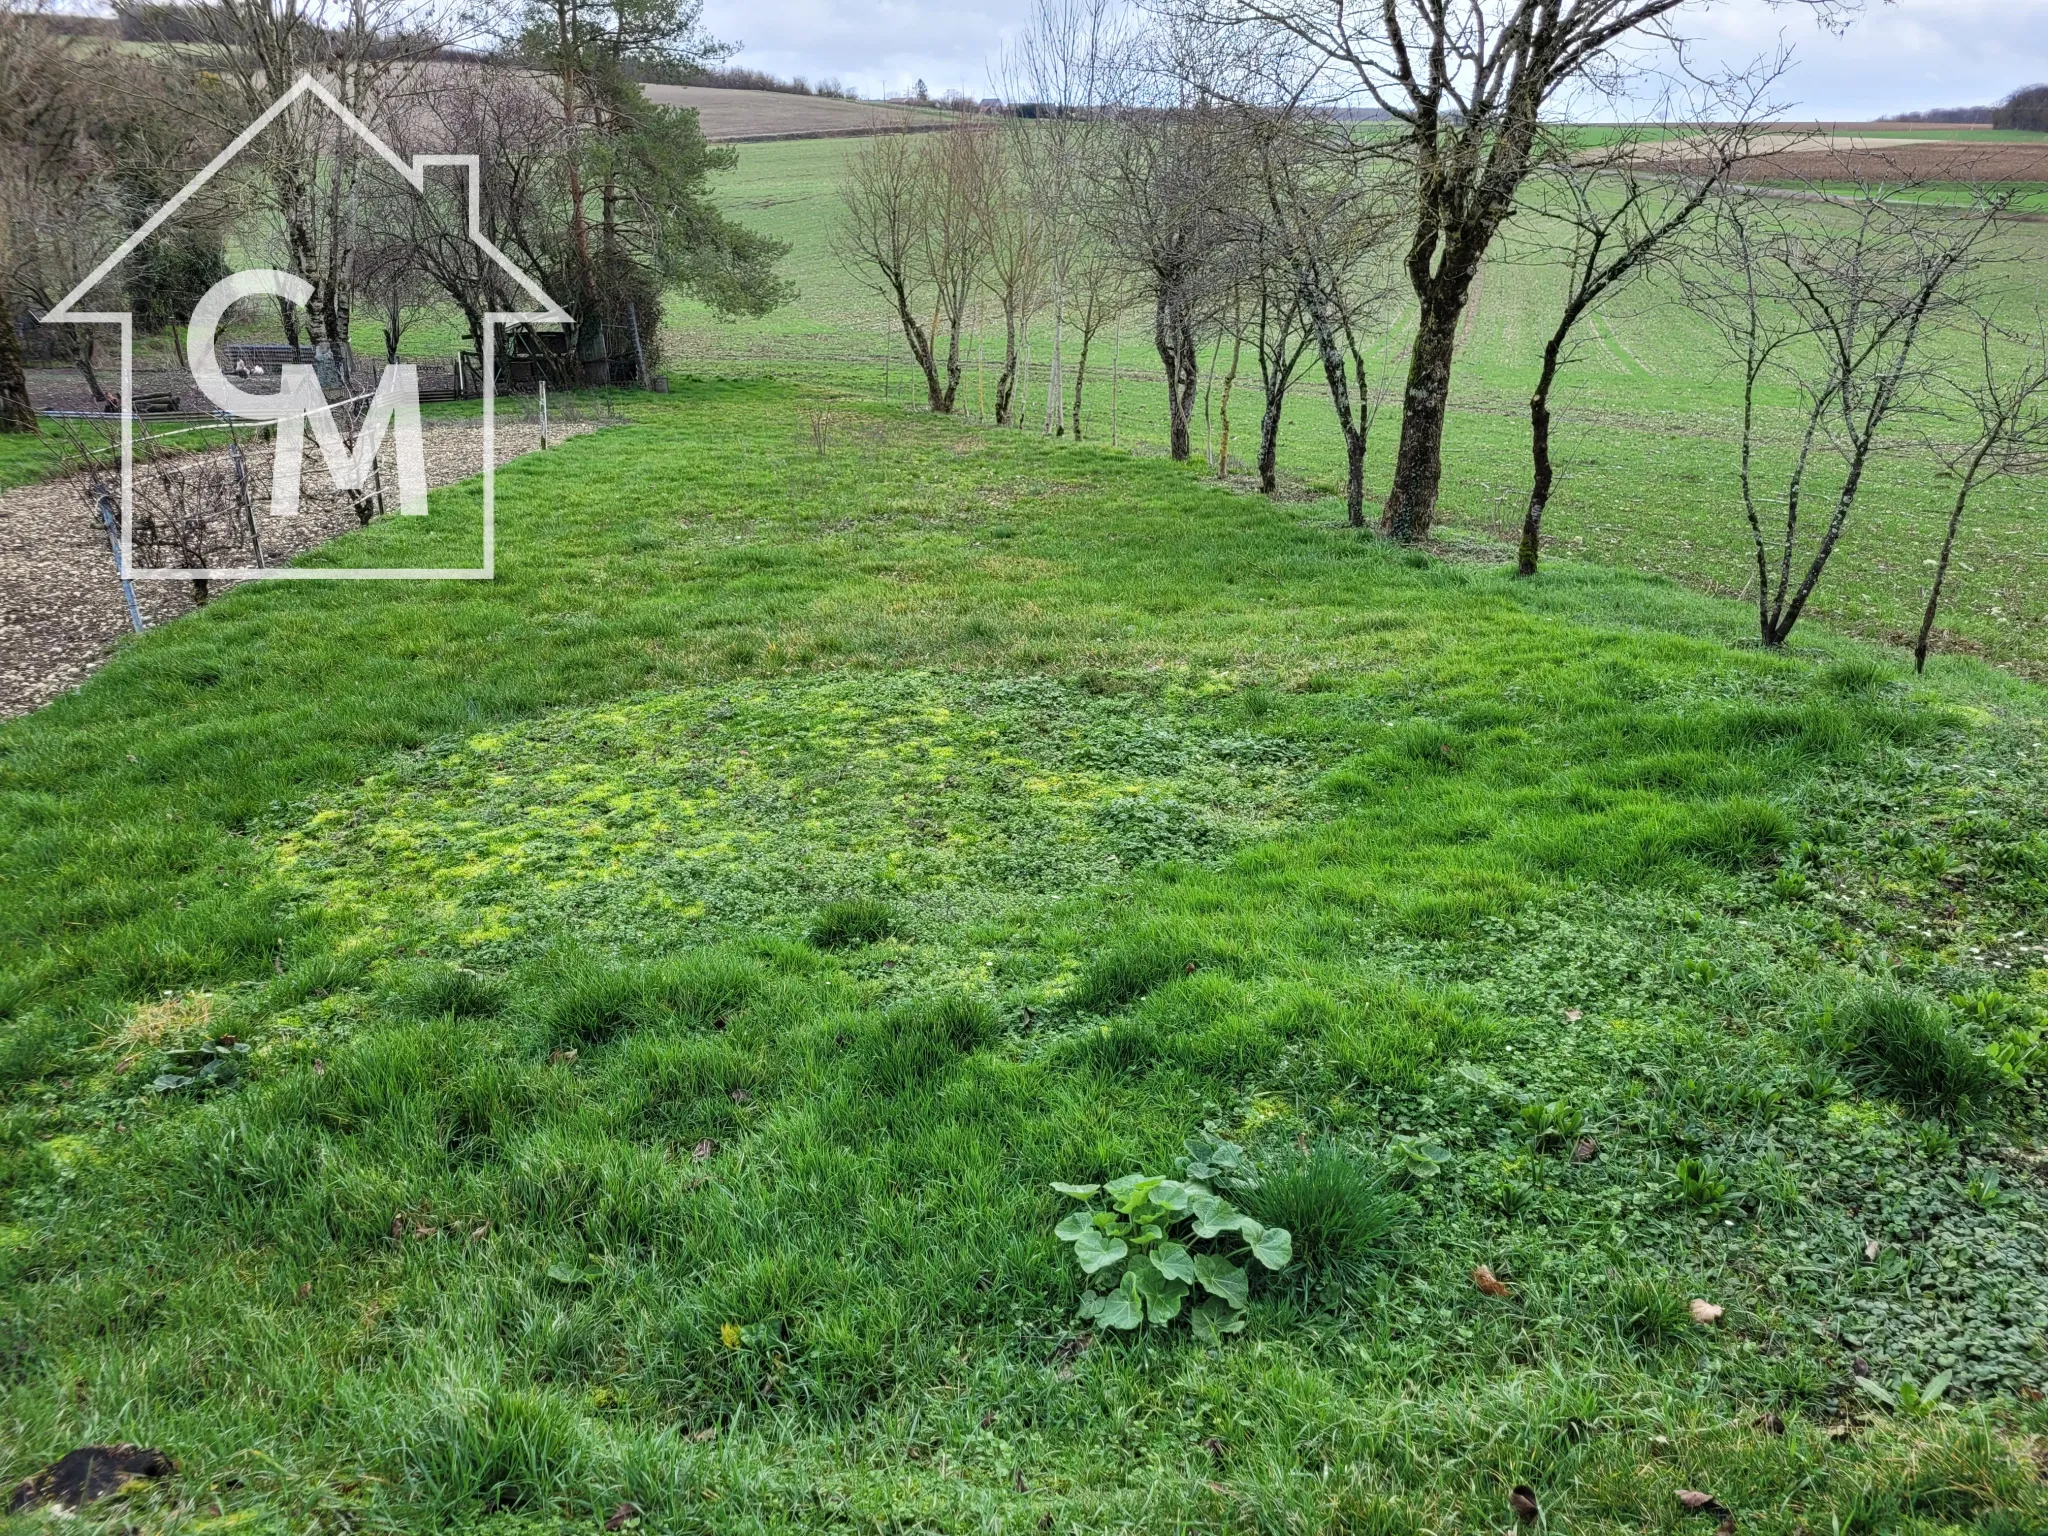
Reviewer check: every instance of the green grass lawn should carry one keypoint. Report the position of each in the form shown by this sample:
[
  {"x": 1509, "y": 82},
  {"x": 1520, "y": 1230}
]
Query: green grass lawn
[
  {"x": 479, "y": 1055},
  {"x": 1646, "y": 438}
]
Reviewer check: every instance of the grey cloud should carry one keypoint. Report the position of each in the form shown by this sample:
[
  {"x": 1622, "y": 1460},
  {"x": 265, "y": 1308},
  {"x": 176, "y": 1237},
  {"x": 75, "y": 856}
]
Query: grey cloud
[{"x": 1897, "y": 57}]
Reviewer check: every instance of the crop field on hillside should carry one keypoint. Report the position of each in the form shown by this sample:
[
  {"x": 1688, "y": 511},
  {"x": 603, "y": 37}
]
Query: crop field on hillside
[
  {"x": 634, "y": 1043},
  {"x": 1645, "y": 436}
]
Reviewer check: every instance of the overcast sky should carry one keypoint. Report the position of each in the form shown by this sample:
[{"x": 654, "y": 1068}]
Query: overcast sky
[{"x": 1900, "y": 57}]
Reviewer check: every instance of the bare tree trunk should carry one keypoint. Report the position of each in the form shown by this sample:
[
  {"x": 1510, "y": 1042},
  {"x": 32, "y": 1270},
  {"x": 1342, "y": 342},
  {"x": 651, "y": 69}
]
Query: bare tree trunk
[
  {"x": 17, "y": 412},
  {"x": 82, "y": 353},
  {"x": 1948, "y": 544},
  {"x": 1269, "y": 441},
  {"x": 1353, "y": 424},
  {"x": 1081, "y": 376},
  {"x": 1539, "y": 448},
  {"x": 1055, "y": 418},
  {"x": 1223, "y": 438},
  {"x": 937, "y": 397},
  {"x": 1006, "y": 381}
]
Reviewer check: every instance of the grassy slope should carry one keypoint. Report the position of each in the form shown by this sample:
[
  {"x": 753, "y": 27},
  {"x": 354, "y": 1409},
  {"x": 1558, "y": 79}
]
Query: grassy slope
[
  {"x": 1647, "y": 423},
  {"x": 1214, "y": 813}
]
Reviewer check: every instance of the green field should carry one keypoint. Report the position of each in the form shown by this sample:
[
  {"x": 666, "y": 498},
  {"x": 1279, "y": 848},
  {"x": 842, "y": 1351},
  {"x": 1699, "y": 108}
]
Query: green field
[
  {"x": 480, "y": 1056},
  {"x": 1646, "y": 435}
]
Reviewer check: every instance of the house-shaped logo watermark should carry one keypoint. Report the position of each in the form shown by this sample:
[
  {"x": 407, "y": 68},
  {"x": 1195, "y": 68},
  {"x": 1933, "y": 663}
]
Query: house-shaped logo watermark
[{"x": 300, "y": 408}]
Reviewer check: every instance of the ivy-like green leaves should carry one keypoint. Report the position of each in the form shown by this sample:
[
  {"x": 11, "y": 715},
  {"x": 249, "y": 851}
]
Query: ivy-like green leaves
[
  {"x": 1174, "y": 1261},
  {"x": 1274, "y": 1247},
  {"x": 1221, "y": 1278},
  {"x": 1094, "y": 1251}
]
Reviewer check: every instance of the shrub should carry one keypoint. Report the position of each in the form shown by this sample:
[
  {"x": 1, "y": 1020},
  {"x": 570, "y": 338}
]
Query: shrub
[
  {"x": 1339, "y": 1208},
  {"x": 1909, "y": 1048},
  {"x": 850, "y": 924}
]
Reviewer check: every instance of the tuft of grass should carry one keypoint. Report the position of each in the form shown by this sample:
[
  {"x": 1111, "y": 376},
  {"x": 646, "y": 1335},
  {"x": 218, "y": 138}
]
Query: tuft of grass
[
  {"x": 1129, "y": 968},
  {"x": 454, "y": 991},
  {"x": 854, "y": 922},
  {"x": 1910, "y": 1048},
  {"x": 1649, "y": 1311},
  {"x": 1738, "y": 833},
  {"x": 1856, "y": 676},
  {"x": 910, "y": 1045},
  {"x": 1345, "y": 1217},
  {"x": 593, "y": 1001}
]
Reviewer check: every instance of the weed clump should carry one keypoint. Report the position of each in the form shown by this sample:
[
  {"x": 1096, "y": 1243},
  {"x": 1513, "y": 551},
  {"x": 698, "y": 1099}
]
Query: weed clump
[
  {"x": 853, "y": 923},
  {"x": 1908, "y": 1047},
  {"x": 1344, "y": 1216}
]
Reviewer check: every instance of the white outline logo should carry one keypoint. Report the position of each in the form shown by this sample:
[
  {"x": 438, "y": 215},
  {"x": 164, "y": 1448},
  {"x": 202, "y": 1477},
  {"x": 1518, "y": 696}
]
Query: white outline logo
[{"x": 396, "y": 401}]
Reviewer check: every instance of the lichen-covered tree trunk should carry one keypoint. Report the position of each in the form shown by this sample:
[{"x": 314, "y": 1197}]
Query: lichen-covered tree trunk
[
  {"x": 1173, "y": 336},
  {"x": 17, "y": 412},
  {"x": 1419, "y": 464}
]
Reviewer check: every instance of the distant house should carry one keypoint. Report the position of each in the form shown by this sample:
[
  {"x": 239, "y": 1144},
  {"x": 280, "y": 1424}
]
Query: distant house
[{"x": 2027, "y": 110}]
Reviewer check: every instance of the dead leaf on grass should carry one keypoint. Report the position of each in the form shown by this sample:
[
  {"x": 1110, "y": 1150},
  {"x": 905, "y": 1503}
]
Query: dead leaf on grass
[{"x": 1488, "y": 1283}]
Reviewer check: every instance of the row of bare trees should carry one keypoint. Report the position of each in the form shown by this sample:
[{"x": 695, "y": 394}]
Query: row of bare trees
[{"x": 1213, "y": 171}]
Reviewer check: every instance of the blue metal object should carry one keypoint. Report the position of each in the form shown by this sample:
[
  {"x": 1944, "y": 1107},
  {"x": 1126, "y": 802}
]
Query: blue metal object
[{"x": 113, "y": 526}]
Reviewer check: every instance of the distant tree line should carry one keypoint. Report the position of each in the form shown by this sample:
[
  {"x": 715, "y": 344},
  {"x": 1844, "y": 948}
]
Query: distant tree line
[{"x": 2026, "y": 110}]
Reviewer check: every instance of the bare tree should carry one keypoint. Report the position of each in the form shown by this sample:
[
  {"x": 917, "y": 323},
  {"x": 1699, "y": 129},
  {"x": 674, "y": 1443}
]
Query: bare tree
[
  {"x": 2004, "y": 403},
  {"x": 1615, "y": 211},
  {"x": 1464, "y": 84},
  {"x": 387, "y": 271},
  {"x": 914, "y": 228},
  {"x": 521, "y": 198},
  {"x": 1280, "y": 337},
  {"x": 1013, "y": 250},
  {"x": 60, "y": 206},
  {"x": 1095, "y": 295},
  {"x": 367, "y": 53},
  {"x": 1835, "y": 299},
  {"x": 1065, "y": 64},
  {"x": 1157, "y": 172},
  {"x": 1320, "y": 246}
]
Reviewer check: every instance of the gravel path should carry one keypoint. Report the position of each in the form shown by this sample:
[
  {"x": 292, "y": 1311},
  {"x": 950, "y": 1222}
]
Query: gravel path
[{"x": 61, "y": 611}]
